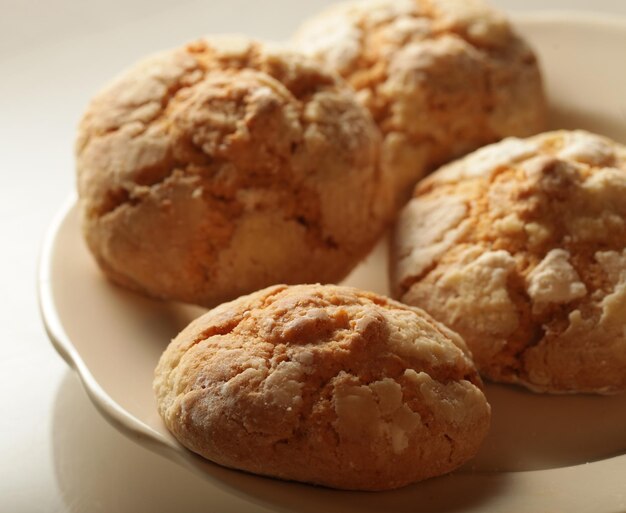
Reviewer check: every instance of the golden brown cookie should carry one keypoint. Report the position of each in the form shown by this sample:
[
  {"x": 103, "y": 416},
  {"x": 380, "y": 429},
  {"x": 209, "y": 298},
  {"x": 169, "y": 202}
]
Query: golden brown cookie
[
  {"x": 521, "y": 248},
  {"x": 225, "y": 166},
  {"x": 326, "y": 385},
  {"x": 440, "y": 77}
]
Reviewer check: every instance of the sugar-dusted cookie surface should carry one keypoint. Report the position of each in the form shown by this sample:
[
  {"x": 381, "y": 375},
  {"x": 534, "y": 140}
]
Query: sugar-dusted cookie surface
[
  {"x": 521, "y": 248},
  {"x": 326, "y": 385},
  {"x": 226, "y": 166},
  {"x": 441, "y": 77}
]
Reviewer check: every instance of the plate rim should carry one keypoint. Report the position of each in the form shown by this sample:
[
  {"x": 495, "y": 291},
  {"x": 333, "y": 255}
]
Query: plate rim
[
  {"x": 114, "y": 413},
  {"x": 124, "y": 421}
]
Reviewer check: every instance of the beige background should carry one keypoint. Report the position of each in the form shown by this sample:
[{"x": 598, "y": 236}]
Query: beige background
[{"x": 56, "y": 452}]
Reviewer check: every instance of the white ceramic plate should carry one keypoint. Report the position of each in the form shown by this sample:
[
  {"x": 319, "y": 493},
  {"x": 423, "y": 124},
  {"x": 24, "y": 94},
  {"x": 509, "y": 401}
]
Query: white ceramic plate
[{"x": 544, "y": 453}]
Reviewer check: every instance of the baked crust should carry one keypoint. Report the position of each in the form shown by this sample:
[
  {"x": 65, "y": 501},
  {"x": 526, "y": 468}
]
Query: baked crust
[
  {"x": 521, "y": 248},
  {"x": 440, "y": 77},
  {"x": 225, "y": 166},
  {"x": 323, "y": 384}
]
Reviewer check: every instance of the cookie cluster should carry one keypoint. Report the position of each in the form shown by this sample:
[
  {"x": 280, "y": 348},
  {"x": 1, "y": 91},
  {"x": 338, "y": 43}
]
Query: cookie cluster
[{"x": 212, "y": 173}]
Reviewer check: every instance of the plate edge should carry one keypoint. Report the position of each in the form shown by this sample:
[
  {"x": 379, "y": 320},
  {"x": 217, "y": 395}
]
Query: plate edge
[{"x": 108, "y": 408}]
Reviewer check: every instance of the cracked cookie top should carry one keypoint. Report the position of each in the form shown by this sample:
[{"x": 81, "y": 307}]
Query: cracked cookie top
[
  {"x": 225, "y": 166},
  {"x": 521, "y": 248},
  {"x": 440, "y": 77},
  {"x": 323, "y": 384}
]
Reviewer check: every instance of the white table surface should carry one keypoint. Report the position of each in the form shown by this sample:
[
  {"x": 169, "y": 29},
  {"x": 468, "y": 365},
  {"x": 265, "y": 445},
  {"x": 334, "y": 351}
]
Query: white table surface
[{"x": 56, "y": 451}]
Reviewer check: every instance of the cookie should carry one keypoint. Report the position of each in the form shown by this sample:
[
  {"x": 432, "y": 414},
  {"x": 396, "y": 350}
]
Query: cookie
[
  {"x": 440, "y": 77},
  {"x": 326, "y": 385},
  {"x": 521, "y": 248},
  {"x": 226, "y": 166}
]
